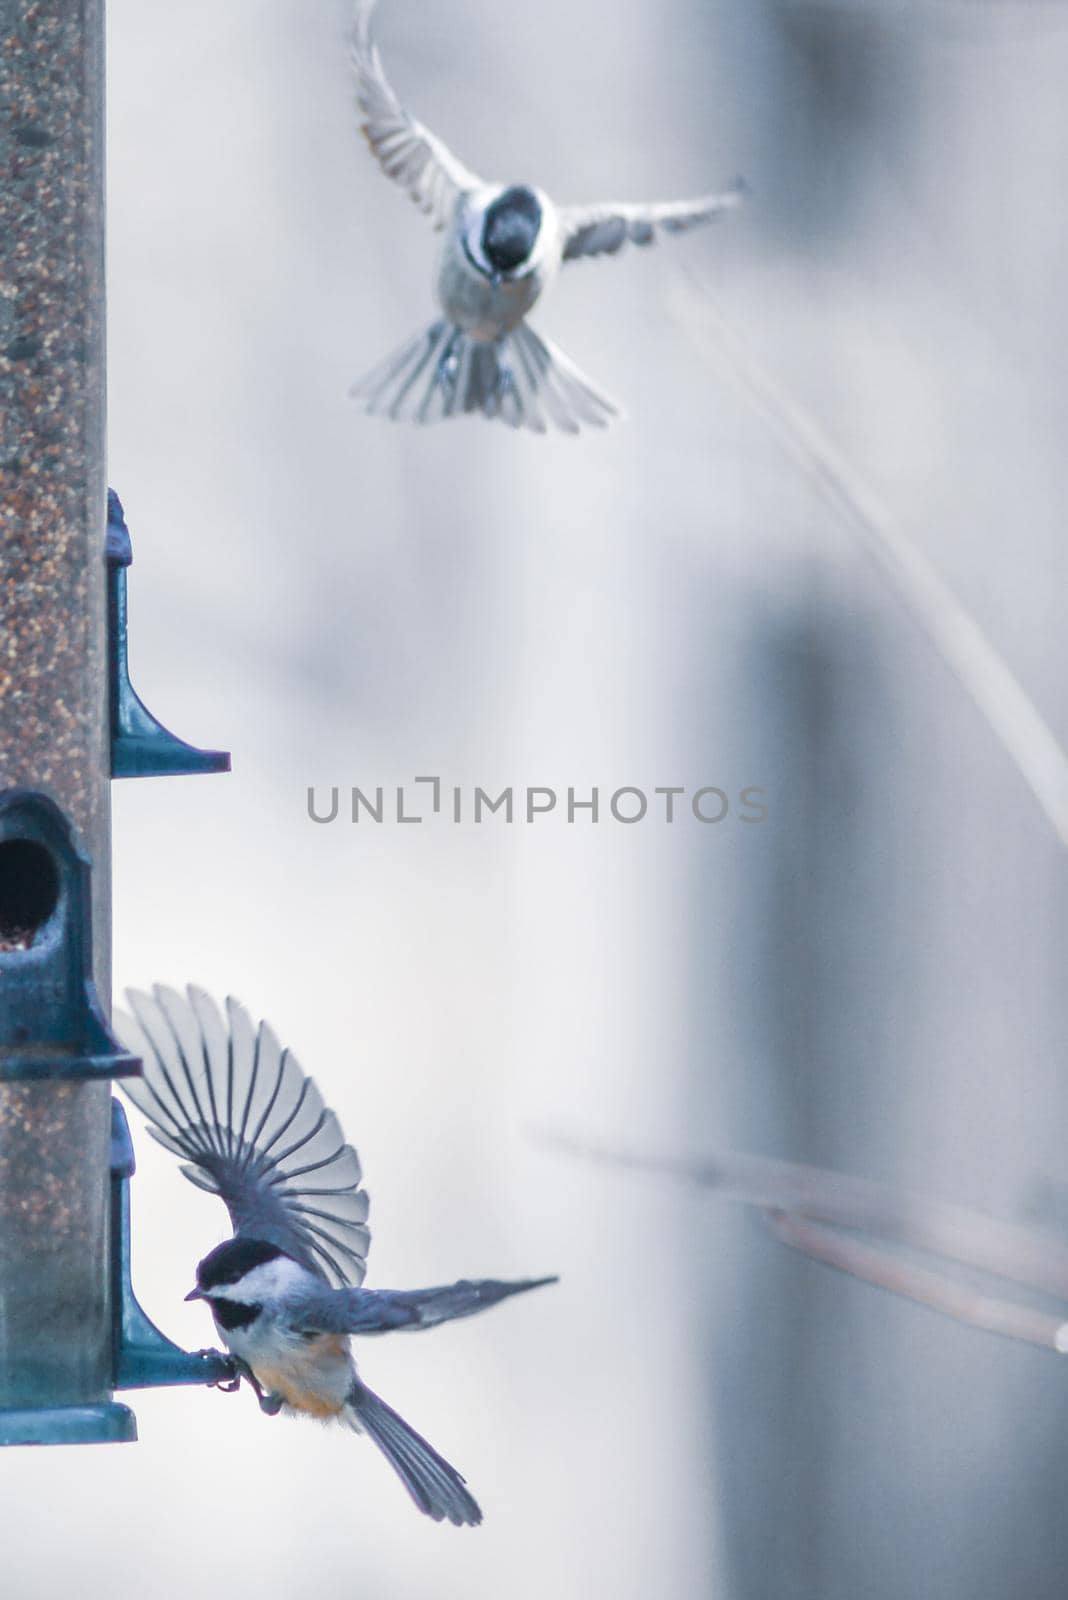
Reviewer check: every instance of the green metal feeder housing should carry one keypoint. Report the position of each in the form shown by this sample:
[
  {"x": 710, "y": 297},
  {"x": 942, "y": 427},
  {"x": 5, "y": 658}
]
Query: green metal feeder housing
[{"x": 71, "y": 1331}]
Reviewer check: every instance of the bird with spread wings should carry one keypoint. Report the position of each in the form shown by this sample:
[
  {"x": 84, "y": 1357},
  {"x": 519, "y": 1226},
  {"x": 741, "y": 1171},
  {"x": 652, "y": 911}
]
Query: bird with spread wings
[
  {"x": 503, "y": 246},
  {"x": 286, "y": 1291}
]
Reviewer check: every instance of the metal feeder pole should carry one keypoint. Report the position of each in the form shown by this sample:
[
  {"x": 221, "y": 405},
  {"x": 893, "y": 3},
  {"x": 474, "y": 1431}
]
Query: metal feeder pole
[{"x": 56, "y": 1317}]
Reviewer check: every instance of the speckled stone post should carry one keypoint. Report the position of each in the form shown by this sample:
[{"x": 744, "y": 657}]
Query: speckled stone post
[{"x": 54, "y": 1310}]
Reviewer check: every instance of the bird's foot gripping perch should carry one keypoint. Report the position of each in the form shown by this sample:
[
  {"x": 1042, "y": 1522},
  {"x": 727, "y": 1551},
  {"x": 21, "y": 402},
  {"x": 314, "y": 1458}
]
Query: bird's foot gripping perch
[
  {"x": 232, "y": 1382},
  {"x": 270, "y": 1404}
]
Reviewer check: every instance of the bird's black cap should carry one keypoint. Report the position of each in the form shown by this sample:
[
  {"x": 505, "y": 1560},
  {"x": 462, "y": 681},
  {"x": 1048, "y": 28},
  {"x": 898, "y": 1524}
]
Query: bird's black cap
[
  {"x": 229, "y": 1262},
  {"x": 511, "y": 228}
]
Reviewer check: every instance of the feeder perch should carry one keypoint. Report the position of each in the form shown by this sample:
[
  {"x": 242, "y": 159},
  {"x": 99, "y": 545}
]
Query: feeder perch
[
  {"x": 141, "y": 747},
  {"x": 144, "y": 1357}
]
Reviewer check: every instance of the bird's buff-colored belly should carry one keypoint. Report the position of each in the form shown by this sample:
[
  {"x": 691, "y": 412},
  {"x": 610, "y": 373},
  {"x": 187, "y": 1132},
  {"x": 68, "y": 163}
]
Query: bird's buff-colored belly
[{"x": 315, "y": 1380}]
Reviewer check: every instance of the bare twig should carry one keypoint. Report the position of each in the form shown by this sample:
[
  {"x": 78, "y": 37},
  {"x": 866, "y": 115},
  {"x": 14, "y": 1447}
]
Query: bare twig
[
  {"x": 1010, "y": 9},
  {"x": 952, "y": 1232},
  {"x": 1009, "y": 712},
  {"x": 930, "y": 1289}
]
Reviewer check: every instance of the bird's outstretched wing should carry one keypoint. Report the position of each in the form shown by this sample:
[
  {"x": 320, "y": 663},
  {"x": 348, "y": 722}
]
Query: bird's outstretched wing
[
  {"x": 602, "y": 230},
  {"x": 250, "y": 1126},
  {"x": 406, "y": 150},
  {"x": 390, "y": 1310}
]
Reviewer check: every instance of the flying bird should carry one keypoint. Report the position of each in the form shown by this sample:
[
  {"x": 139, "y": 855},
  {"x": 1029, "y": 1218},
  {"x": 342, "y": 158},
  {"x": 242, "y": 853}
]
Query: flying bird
[
  {"x": 286, "y": 1290},
  {"x": 503, "y": 246}
]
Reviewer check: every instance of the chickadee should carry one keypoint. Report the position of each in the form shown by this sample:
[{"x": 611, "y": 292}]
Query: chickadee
[
  {"x": 285, "y": 1290},
  {"x": 503, "y": 247}
]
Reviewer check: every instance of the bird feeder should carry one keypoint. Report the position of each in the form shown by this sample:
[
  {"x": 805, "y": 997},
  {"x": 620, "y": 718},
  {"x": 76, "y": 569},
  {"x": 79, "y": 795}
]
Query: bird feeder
[{"x": 71, "y": 1331}]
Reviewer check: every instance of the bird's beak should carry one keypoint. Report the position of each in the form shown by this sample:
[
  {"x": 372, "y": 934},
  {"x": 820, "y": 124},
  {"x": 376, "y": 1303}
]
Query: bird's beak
[{"x": 195, "y": 1294}]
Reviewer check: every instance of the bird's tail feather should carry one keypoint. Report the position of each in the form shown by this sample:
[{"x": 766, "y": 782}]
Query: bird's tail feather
[
  {"x": 518, "y": 379},
  {"x": 437, "y": 1489}
]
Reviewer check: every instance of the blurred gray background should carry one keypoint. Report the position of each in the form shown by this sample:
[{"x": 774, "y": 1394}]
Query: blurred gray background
[{"x": 873, "y": 980}]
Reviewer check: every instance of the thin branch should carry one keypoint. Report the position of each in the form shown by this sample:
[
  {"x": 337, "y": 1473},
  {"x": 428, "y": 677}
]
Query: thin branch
[
  {"x": 1011, "y": 715},
  {"x": 933, "y": 5},
  {"x": 926, "y": 1288},
  {"x": 952, "y": 1232}
]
